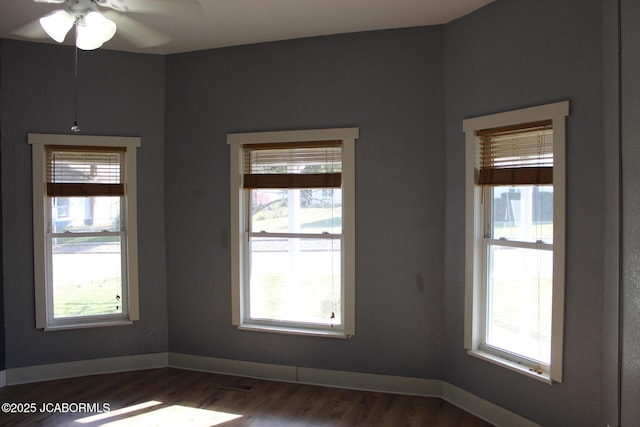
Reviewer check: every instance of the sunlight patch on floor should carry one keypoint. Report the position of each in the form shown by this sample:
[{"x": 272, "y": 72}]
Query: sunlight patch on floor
[
  {"x": 169, "y": 416},
  {"x": 117, "y": 412}
]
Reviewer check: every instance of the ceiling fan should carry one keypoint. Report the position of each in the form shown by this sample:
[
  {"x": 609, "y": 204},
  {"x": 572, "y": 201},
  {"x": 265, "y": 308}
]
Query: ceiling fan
[{"x": 95, "y": 27}]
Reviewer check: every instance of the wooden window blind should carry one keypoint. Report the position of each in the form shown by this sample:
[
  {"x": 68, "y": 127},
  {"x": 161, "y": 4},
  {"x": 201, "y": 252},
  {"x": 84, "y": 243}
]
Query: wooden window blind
[
  {"x": 316, "y": 164},
  {"x": 516, "y": 155},
  {"x": 85, "y": 171}
]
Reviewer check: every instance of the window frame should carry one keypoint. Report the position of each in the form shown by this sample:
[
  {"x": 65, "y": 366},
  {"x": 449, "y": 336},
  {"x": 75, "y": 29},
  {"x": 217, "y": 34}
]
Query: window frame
[
  {"x": 42, "y": 235},
  {"x": 239, "y": 229},
  {"x": 476, "y": 213}
]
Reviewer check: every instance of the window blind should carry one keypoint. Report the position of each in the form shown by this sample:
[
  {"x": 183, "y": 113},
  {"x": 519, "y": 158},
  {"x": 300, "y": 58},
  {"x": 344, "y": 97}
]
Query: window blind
[
  {"x": 516, "y": 155},
  {"x": 85, "y": 171},
  {"x": 316, "y": 164}
]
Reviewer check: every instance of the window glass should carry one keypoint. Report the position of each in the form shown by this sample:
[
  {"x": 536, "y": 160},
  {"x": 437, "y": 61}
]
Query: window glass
[
  {"x": 519, "y": 293},
  {"x": 523, "y": 213},
  {"x": 296, "y": 280},
  {"x": 519, "y": 282},
  {"x": 85, "y": 214},
  {"x": 314, "y": 210},
  {"x": 87, "y": 275}
]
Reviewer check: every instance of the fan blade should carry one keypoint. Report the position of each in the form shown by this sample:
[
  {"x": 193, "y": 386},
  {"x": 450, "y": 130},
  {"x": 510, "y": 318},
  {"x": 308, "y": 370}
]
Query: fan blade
[
  {"x": 32, "y": 30},
  {"x": 136, "y": 32},
  {"x": 155, "y": 7},
  {"x": 118, "y": 5},
  {"x": 50, "y": 1}
]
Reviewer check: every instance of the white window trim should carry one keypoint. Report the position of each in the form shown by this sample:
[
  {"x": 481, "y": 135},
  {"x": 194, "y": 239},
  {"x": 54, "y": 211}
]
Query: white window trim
[
  {"x": 474, "y": 267},
  {"x": 40, "y": 220},
  {"x": 235, "y": 141}
]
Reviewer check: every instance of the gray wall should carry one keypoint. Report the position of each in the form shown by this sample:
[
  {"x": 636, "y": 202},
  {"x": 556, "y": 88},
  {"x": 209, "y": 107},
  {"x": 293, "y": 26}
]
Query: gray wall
[
  {"x": 389, "y": 84},
  {"x": 118, "y": 94},
  {"x": 513, "y": 54},
  {"x": 630, "y": 415}
]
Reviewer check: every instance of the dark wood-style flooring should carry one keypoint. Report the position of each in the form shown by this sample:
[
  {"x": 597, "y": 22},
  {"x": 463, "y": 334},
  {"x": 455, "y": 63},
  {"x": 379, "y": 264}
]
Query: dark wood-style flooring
[{"x": 180, "y": 398}]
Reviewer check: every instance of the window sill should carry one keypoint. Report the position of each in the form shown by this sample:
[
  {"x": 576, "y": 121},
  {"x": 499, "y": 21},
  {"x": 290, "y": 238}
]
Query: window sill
[
  {"x": 293, "y": 331},
  {"x": 511, "y": 365},
  {"x": 87, "y": 325}
]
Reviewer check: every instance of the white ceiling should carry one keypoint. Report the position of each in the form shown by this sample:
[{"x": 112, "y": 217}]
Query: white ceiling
[{"x": 222, "y": 23}]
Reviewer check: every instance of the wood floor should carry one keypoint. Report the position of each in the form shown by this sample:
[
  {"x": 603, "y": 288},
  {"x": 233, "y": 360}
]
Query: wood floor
[{"x": 179, "y": 398}]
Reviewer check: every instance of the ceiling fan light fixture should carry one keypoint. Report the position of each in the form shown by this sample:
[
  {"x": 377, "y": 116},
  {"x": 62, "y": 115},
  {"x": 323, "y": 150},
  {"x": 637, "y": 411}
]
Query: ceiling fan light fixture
[
  {"x": 57, "y": 24},
  {"x": 94, "y": 30},
  {"x": 85, "y": 39}
]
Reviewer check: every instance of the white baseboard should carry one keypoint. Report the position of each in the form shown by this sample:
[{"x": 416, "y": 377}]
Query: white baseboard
[
  {"x": 312, "y": 376},
  {"x": 371, "y": 382},
  {"x": 484, "y": 409},
  {"x": 55, "y": 371},
  {"x": 233, "y": 367},
  {"x": 471, "y": 403}
]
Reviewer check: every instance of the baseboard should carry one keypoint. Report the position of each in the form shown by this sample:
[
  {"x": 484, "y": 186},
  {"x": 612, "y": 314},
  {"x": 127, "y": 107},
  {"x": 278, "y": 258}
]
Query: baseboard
[
  {"x": 233, "y": 367},
  {"x": 371, "y": 382},
  {"x": 484, "y": 409},
  {"x": 471, "y": 403},
  {"x": 312, "y": 376},
  {"x": 81, "y": 368}
]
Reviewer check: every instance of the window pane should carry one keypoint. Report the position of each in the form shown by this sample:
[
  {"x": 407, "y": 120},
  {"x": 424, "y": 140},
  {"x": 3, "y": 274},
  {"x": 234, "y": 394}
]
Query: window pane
[
  {"x": 315, "y": 210},
  {"x": 87, "y": 276},
  {"x": 296, "y": 280},
  {"x": 519, "y": 301},
  {"x": 85, "y": 214},
  {"x": 523, "y": 213}
]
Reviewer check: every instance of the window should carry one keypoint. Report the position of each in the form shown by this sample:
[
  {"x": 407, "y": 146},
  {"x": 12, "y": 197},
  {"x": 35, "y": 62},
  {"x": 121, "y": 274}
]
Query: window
[
  {"x": 292, "y": 219},
  {"x": 85, "y": 233},
  {"x": 515, "y": 195}
]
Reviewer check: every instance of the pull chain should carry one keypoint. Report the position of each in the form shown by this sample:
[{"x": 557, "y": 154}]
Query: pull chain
[{"x": 75, "y": 127}]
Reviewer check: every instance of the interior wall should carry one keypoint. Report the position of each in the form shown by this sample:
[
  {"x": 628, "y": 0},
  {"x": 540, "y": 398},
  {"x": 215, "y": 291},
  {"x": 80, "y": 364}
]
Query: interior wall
[
  {"x": 118, "y": 94},
  {"x": 387, "y": 83},
  {"x": 630, "y": 383},
  {"x": 514, "y": 54}
]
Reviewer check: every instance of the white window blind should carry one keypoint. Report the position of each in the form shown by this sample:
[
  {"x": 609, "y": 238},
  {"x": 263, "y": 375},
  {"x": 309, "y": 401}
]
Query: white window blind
[
  {"x": 516, "y": 155},
  {"x": 85, "y": 171},
  {"x": 293, "y": 165}
]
